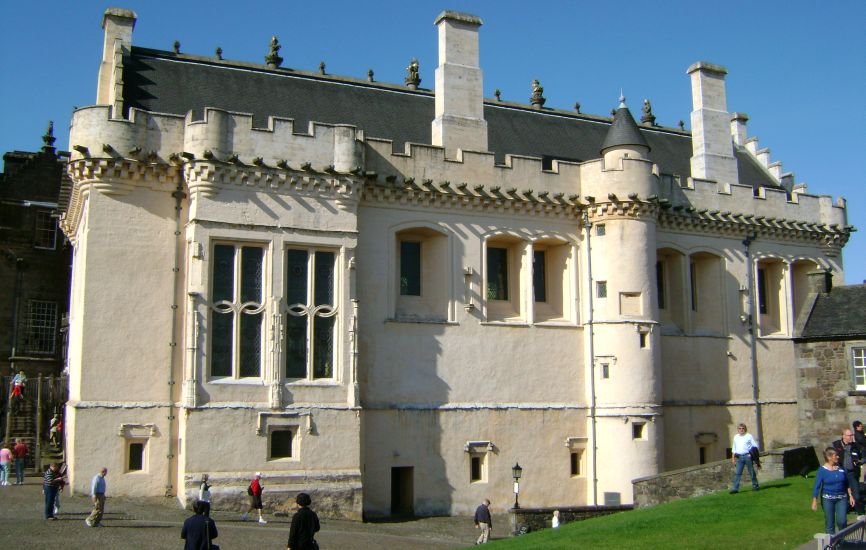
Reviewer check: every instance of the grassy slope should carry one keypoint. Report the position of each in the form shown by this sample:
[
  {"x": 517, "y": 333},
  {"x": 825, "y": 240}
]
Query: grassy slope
[{"x": 778, "y": 516}]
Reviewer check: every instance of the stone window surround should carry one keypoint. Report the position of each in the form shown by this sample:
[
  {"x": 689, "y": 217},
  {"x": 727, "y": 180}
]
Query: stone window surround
[
  {"x": 850, "y": 360},
  {"x": 481, "y": 450},
  {"x": 136, "y": 433},
  {"x": 276, "y": 242}
]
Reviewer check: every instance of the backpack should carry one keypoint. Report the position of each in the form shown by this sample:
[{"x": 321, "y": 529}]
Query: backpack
[{"x": 250, "y": 489}]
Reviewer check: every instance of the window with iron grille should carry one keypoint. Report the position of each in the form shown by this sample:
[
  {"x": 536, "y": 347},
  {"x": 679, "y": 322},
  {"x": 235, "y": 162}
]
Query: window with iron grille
[
  {"x": 46, "y": 230},
  {"x": 41, "y": 328},
  {"x": 312, "y": 313},
  {"x": 237, "y": 311}
]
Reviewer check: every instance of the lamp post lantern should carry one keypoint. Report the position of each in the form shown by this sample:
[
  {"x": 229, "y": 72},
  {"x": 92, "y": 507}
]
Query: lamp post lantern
[{"x": 516, "y": 472}]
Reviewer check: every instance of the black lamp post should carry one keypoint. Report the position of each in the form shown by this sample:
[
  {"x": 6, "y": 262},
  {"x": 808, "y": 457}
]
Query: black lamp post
[{"x": 516, "y": 472}]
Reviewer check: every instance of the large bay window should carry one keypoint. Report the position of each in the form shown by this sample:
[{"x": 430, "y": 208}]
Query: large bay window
[
  {"x": 312, "y": 313},
  {"x": 237, "y": 311}
]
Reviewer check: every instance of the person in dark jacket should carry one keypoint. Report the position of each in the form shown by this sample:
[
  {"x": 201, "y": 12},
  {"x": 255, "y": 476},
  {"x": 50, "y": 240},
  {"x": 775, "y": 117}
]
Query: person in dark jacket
[
  {"x": 860, "y": 436},
  {"x": 305, "y": 525},
  {"x": 483, "y": 521},
  {"x": 198, "y": 531}
]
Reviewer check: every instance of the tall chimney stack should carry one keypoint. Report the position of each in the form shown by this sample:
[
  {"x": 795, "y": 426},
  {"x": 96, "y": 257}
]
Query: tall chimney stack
[
  {"x": 459, "y": 122},
  {"x": 712, "y": 144},
  {"x": 118, "y": 25}
]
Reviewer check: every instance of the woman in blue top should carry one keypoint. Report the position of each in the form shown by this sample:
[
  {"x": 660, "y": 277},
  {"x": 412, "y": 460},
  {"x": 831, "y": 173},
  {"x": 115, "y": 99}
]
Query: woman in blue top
[{"x": 832, "y": 484}]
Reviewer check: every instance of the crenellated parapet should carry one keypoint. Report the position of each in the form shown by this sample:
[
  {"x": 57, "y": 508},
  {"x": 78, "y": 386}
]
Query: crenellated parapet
[{"x": 421, "y": 162}]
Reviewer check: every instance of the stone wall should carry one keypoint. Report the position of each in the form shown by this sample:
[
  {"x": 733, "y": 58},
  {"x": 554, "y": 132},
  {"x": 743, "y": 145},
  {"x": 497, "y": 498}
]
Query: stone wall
[
  {"x": 716, "y": 476},
  {"x": 828, "y": 402},
  {"x": 533, "y": 519}
]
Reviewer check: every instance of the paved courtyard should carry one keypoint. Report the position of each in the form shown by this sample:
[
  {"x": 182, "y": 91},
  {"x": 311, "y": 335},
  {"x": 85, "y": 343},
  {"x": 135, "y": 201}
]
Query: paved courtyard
[{"x": 155, "y": 523}]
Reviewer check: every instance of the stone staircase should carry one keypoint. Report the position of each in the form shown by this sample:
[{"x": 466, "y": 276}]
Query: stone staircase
[{"x": 22, "y": 425}]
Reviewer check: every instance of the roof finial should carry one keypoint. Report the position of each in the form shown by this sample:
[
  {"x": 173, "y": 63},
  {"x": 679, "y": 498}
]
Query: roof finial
[
  {"x": 648, "y": 117},
  {"x": 176, "y": 46},
  {"x": 273, "y": 59},
  {"x": 219, "y": 53},
  {"x": 621, "y": 100},
  {"x": 413, "y": 79},
  {"x": 48, "y": 138},
  {"x": 537, "y": 98},
  {"x": 370, "y": 74},
  {"x": 322, "y": 67}
]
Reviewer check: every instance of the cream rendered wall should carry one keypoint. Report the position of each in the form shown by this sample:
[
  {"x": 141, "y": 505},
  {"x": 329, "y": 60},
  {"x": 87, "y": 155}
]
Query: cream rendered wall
[
  {"x": 432, "y": 442},
  {"x": 119, "y": 364}
]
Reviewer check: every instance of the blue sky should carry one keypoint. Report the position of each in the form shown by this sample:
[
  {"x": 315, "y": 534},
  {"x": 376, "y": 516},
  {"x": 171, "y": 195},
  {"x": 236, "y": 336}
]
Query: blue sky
[{"x": 796, "y": 67}]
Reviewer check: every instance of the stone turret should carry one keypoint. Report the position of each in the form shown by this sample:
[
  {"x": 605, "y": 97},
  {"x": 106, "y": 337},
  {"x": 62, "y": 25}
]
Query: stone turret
[
  {"x": 459, "y": 122},
  {"x": 712, "y": 146}
]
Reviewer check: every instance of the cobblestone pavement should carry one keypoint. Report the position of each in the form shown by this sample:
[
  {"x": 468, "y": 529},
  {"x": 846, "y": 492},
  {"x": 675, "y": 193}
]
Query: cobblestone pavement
[{"x": 143, "y": 523}]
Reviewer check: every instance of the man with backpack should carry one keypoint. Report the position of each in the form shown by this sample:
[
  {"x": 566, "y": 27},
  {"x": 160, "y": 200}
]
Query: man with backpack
[
  {"x": 850, "y": 458},
  {"x": 254, "y": 492}
]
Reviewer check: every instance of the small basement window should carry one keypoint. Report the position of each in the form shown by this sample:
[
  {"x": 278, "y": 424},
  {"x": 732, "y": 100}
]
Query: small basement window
[
  {"x": 135, "y": 456},
  {"x": 282, "y": 443}
]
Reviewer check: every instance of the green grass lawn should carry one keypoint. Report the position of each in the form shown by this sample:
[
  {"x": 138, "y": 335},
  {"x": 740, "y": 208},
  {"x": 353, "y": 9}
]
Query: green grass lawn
[{"x": 777, "y": 516}]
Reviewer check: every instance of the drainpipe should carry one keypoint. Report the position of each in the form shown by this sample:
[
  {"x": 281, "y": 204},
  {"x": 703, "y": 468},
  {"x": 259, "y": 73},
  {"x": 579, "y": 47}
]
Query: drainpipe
[
  {"x": 587, "y": 225},
  {"x": 178, "y": 195},
  {"x": 753, "y": 339}
]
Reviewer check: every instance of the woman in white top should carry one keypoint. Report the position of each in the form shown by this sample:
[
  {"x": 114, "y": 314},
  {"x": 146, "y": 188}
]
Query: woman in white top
[{"x": 204, "y": 495}]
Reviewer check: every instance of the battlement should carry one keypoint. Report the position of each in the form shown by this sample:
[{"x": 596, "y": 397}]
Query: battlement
[
  {"x": 421, "y": 161},
  {"x": 219, "y": 135},
  {"x": 704, "y": 195}
]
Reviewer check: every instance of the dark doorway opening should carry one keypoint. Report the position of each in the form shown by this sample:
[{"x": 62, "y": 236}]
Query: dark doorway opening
[{"x": 402, "y": 491}]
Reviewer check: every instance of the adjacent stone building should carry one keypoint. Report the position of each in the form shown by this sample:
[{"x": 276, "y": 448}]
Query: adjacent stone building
[
  {"x": 831, "y": 361},
  {"x": 388, "y": 295},
  {"x": 34, "y": 261}
]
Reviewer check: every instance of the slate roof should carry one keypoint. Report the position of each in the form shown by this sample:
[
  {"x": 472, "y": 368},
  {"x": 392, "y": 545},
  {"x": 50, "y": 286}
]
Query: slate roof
[
  {"x": 840, "y": 313},
  {"x": 623, "y": 131},
  {"x": 166, "y": 82}
]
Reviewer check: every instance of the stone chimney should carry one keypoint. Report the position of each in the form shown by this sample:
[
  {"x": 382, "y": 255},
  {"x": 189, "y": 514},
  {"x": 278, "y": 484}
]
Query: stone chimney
[
  {"x": 712, "y": 146},
  {"x": 819, "y": 282},
  {"x": 117, "y": 24},
  {"x": 459, "y": 122},
  {"x": 738, "y": 128}
]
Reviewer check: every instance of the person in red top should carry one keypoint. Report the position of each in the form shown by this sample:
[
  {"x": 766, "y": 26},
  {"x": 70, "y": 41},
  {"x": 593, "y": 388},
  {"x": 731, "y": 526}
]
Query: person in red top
[
  {"x": 254, "y": 491},
  {"x": 20, "y": 451}
]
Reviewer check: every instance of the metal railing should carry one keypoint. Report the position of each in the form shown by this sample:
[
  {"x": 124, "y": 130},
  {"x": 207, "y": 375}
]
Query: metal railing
[{"x": 856, "y": 532}]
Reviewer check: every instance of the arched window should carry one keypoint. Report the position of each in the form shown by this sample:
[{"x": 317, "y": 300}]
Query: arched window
[
  {"x": 771, "y": 296},
  {"x": 671, "y": 289}
]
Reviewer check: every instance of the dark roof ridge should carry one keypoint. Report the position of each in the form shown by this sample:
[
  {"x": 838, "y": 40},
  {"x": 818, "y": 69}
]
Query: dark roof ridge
[{"x": 376, "y": 84}]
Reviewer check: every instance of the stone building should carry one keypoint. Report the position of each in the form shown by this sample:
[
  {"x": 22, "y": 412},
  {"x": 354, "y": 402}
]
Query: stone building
[
  {"x": 388, "y": 295},
  {"x": 34, "y": 261},
  {"x": 831, "y": 360}
]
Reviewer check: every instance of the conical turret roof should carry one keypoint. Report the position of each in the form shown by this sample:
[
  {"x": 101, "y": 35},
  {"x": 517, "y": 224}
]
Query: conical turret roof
[{"x": 624, "y": 130}]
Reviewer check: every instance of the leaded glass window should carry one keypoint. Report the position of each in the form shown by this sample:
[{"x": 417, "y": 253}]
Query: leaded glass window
[
  {"x": 237, "y": 316},
  {"x": 497, "y": 273},
  {"x": 539, "y": 286},
  {"x": 311, "y": 320},
  {"x": 410, "y": 268}
]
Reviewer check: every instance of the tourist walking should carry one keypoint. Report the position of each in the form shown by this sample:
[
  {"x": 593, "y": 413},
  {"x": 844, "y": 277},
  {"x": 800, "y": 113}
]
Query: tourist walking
[
  {"x": 61, "y": 483},
  {"x": 483, "y": 521},
  {"x": 254, "y": 492},
  {"x": 554, "y": 522},
  {"x": 97, "y": 495},
  {"x": 17, "y": 395},
  {"x": 5, "y": 463},
  {"x": 831, "y": 484},
  {"x": 54, "y": 431},
  {"x": 204, "y": 495},
  {"x": 50, "y": 482},
  {"x": 305, "y": 525},
  {"x": 850, "y": 458},
  {"x": 20, "y": 452},
  {"x": 742, "y": 457},
  {"x": 198, "y": 530}
]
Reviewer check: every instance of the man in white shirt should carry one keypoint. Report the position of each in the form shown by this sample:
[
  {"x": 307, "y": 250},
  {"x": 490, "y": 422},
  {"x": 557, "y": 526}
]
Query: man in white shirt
[{"x": 742, "y": 457}]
